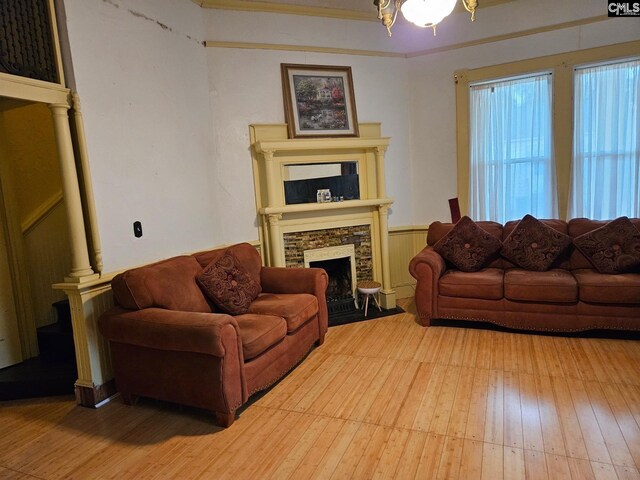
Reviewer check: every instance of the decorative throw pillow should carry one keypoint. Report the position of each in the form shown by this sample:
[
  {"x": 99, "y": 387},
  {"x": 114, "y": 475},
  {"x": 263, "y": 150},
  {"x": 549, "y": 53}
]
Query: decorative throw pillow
[
  {"x": 467, "y": 246},
  {"x": 533, "y": 245},
  {"x": 612, "y": 248},
  {"x": 229, "y": 285}
]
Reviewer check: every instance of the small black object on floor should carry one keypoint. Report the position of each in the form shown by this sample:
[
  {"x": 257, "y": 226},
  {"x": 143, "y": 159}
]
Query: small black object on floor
[{"x": 357, "y": 315}]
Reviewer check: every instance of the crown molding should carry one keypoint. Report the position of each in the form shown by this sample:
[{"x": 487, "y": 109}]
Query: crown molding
[
  {"x": 291, "y": 9},
  {"x": 301, "y": 48},
  {"x": 285, "y": 8}
]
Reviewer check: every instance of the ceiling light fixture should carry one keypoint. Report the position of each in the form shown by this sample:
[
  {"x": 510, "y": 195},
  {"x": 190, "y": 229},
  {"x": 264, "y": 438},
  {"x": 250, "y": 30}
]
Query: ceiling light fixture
[{"x": 423, "y": 13}]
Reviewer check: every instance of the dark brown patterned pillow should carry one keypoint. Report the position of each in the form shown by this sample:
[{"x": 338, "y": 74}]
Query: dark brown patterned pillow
[
  {"x": 228, "y": 285},
  {"x": 467, "y": 246},
  {"x": 612, "y": 248},
  {"x": 533, "y": 245}
]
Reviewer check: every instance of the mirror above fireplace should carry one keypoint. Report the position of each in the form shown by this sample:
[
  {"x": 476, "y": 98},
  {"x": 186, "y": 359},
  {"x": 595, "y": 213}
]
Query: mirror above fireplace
[{"x": 302, "y": 181}]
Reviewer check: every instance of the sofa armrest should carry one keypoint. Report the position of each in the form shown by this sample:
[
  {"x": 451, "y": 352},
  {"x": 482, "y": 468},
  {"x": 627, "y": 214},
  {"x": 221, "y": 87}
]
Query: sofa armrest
[
  {"x": 433, "y": 261},
  {"x": 299, "y": 280},
  {"x": 169, "y": 330},
  {"x": 427, "y": 267}
]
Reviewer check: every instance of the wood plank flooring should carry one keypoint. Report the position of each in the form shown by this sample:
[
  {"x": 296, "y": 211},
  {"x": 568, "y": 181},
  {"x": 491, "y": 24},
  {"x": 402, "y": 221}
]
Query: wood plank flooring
[{"x": 380, "y": 399}]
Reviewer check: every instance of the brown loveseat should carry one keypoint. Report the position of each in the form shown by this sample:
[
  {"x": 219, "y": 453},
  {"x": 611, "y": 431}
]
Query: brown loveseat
[
  {"x": 168, "y": 342},
  {"x": 571, "y": 296}
]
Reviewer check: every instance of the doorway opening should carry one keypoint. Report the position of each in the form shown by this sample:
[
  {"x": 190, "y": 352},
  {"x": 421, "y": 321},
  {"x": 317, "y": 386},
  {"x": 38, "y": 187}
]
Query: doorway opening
[{"x": 37, "y": 355}]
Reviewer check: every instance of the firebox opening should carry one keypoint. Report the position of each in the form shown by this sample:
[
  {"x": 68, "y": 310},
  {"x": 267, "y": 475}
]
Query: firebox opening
[{"x": 340, "y": 290}]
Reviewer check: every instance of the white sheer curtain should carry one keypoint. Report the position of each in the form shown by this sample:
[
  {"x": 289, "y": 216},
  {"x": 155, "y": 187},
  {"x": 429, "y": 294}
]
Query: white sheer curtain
[
  {"x": 512, "y": 170},
  {"x": 605, "y": 180}
]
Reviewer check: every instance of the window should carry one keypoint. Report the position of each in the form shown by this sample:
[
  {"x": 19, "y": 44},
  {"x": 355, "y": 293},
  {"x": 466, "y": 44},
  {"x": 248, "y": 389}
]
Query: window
[
  {"x": 605, "y": 179},
  {"x": 512, "y": 171},
  {"x": 589, "y": 156}
]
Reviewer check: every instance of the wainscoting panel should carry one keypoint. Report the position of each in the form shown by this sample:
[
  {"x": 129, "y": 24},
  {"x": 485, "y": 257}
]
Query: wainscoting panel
[
  {"x": 404, "y": 243},
  {"x": 48, "y": 261}
]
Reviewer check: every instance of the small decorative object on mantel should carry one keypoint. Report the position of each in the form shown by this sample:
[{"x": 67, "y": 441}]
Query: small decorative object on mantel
[
  {"x": 319, "y": 101},
  {"x": 323, "y": 195}
]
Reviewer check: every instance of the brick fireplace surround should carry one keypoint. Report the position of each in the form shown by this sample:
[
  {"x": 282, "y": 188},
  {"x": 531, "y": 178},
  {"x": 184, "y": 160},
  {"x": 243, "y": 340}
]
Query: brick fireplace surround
[{"x": 359, "y": 235}]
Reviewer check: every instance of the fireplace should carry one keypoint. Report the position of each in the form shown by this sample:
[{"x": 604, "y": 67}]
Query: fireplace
[
  {"x": 340, "y": 265},
  {"x": 291, "y": 227}
]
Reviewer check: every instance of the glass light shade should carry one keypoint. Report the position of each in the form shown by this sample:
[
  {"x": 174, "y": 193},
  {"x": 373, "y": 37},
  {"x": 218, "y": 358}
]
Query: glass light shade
[{"x": 427, "y": 13}]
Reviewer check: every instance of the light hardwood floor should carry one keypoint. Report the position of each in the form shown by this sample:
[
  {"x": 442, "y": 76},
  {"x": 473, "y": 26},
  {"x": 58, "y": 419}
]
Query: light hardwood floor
[{"x": 380, "y": 399}]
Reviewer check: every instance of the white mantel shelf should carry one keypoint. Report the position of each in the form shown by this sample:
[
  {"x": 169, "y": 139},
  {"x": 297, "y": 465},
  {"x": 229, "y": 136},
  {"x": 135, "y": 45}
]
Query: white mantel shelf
[
  {"x": 311, "y": 207},
  {"x": 310, "y": 144}
]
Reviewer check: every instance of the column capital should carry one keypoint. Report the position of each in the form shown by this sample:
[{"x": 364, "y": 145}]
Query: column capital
[
  {"x": 268, "y": 154},
  {"x": 274, "y": 219},
  {"x": 75, "y": 100},
  {"x": 59, "y": 108},
  {"x": 380, "y": 149}
]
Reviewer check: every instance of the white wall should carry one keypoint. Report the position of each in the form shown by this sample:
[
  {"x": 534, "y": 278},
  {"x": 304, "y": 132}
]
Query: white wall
[
  {"x": 380, "y": 86},
  {"x": 140, "y": 70},
  {"x": 167, "y": 119},
  {"x": 246, "y": 88},
  {"x": 432, "y": 93}
]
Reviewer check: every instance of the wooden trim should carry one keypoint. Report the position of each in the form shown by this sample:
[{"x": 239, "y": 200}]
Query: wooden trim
[
  {"x": 408, "y": 228},
  {"x": 23, "y": 88},
  {"x": 248, "y": 6},
  {"x": 340, "y": 13},
  {"x": 300, "y": 48},
  {"x": 92, "y": 396},
  {"x": 41, "y": 212},
  {"x": 56, "y": 43}
]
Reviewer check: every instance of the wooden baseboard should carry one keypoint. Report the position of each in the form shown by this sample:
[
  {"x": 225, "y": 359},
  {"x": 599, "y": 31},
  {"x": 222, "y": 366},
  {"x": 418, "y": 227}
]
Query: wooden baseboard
[{"x": 90, "y": 397}]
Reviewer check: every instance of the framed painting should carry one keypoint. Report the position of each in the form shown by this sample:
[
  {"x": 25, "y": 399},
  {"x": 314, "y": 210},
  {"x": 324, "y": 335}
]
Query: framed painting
[{"x": 319, "y": 101}]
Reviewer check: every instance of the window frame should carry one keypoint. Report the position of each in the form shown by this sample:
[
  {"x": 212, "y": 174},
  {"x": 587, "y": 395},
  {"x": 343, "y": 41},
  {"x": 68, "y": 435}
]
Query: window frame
[{"x": 562, "y": 67}]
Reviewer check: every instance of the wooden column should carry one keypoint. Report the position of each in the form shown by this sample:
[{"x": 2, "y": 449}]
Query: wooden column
[
  {"x": 80, "y": 266},
  {"x": 87, "y": 184},
  {"x": 272, "y": 179},
  {"x": 275, "y": 237},
  {"x": 380, "y": 186},
  {"x": 387, "y": 294}
]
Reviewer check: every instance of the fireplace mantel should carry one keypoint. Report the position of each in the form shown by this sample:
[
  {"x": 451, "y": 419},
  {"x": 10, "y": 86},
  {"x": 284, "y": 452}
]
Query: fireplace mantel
[{"x": 272, "y": 151}]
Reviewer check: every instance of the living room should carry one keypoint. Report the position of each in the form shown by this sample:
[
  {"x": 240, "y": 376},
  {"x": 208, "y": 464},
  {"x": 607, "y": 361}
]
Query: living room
[{"x": 169, "y": 90}]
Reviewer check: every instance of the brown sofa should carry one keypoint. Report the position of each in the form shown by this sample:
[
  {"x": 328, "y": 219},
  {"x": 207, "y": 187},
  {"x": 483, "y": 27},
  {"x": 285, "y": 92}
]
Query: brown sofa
[
  {"x": 571, "y": 296},
  {"x": 168, "y": 342}
]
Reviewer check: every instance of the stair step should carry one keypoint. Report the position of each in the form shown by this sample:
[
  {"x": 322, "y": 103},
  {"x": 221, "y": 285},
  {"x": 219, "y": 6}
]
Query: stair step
[
  {"x": 56, "y": 343},
  {"x": 63, "y": 314}
]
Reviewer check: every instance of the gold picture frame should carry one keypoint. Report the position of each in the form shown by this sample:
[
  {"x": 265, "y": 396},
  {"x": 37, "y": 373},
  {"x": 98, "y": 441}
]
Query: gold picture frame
[{"x": 319, "y": 101}]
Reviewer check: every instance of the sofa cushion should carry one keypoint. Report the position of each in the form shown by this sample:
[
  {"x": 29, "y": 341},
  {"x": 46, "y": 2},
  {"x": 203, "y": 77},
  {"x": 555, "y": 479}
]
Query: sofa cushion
[
  {"x": 437, "y": 230},
  {"x": 296, "y": 308},
  {"x": 554, "y": 286},
  {"x": 580, "y": 226},
  {"x": 612, "y": 248},
  {"x": 467, "y": 246},
  {"x": 259, "y": 332},
  {"x": 227, "y": 284},
  {"x": 244, "y": 252},
  {"x": 485, "y": 284},
  {"x": 533, "y": 245},
  {"x": 595, "y": 287},
  {"x": 169, "y": 284}
]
